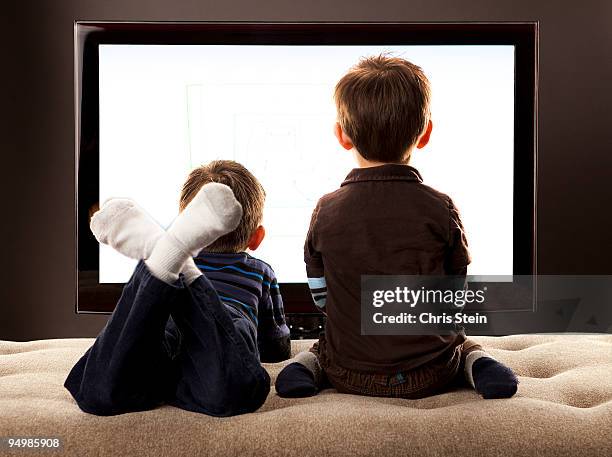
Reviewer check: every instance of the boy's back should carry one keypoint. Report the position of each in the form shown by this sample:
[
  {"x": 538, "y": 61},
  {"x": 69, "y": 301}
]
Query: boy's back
[
  {"x": 382, "y": 220},
  {"x": 247, "y": 286}
]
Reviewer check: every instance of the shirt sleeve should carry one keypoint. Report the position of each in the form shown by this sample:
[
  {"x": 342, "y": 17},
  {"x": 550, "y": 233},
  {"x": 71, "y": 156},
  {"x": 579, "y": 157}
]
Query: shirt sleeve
[
  {"x": 273, "y": 338},
  {"x": 457, "y": 255},
  {"x": 314, "y": 264}
]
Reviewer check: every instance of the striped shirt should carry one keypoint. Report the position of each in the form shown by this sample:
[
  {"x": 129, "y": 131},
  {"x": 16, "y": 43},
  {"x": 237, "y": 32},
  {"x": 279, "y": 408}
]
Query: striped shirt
[
  {"x": 318, "y": 290},
  {"x": 248, "y": 285}
]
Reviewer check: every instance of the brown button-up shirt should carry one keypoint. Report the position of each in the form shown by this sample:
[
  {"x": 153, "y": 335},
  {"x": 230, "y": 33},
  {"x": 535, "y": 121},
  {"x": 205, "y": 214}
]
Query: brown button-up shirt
[{"x": 382, "y": 220}]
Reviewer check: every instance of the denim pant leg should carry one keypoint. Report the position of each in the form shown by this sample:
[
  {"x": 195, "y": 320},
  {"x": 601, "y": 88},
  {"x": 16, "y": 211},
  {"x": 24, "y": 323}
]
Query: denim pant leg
[
  {"x": 128, "y": 368},
  {"x": 219, "y": 372}
]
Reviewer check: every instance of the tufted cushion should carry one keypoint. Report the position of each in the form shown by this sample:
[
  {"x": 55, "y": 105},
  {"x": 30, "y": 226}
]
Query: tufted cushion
[{"x": 563, "y": 407}]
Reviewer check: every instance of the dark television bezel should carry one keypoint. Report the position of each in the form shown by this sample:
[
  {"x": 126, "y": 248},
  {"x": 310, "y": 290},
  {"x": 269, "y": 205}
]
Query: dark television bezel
[{"x": 93, "y": 297}]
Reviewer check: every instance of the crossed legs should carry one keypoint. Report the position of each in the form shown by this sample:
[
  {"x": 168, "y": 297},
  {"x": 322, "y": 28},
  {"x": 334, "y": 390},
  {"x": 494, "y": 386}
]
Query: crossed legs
[
  {"x": 304, "y": 377},
  {"x": 170, "y": 339}
]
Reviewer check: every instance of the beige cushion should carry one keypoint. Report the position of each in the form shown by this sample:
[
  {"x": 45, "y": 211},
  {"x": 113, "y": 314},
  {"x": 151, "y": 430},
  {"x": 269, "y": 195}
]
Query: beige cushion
[{"x": 563, "y": 407}]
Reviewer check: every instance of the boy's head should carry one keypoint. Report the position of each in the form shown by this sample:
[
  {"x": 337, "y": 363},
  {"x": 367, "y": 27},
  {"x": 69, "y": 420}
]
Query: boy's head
[
  {"x": 383, "y": 109},
  {"x": 247, "y": 190}
]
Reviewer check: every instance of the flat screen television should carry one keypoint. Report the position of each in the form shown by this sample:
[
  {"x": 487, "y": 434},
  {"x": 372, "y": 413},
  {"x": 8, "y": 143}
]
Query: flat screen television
[{"x": 154, "y": 100}]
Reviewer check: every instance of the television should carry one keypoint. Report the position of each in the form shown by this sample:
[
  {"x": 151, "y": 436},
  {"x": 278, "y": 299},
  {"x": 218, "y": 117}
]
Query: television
[{"x": 155, "y": 100}]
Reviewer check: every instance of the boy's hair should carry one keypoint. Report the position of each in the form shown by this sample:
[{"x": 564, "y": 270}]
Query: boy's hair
[
  {"x": 248, "y": 191},
  {"x": 383, "y": 106}
]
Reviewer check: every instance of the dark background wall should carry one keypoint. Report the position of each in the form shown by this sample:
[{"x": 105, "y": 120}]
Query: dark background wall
[{"x": 36, "y": 198}]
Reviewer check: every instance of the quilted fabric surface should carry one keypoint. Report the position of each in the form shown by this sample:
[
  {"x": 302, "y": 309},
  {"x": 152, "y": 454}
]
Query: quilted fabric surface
[{"x": 563, "y": 407}]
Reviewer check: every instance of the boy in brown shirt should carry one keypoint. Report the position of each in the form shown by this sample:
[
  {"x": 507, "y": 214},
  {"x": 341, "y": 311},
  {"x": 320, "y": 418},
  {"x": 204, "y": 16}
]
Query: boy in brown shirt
[{"x": 384, "y": 220}]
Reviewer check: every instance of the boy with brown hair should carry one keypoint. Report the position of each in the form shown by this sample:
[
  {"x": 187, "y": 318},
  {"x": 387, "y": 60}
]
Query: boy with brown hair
[
  {"x": 178, "y": 336},
  {"x": 384, "y": 220}
]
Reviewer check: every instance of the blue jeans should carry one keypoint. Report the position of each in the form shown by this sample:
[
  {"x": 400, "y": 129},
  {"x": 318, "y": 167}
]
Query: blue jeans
[{"x": 172, "y": 344}]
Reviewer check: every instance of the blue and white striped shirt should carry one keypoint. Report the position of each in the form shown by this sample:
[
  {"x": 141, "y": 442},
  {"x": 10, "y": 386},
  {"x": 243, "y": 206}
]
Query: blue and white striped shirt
[{"x": 248, "y": 285}]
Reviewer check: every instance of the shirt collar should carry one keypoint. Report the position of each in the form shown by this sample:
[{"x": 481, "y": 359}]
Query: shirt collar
[{"x": 387, "y": 172}]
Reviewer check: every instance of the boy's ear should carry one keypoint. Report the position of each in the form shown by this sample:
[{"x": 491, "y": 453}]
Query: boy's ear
[
  {"x": 256, "y": 238},
  {"x": 342, "y": 137},
  {"x": 424, "y": 139}
]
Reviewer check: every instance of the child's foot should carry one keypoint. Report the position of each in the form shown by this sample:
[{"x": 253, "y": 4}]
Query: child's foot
[
  {"x": 213, "y": 212},
  {"x": 493, "y": 379},
  {"x": 126, "y": 227},
  {"x": 295, "y": 381},
  {"x": 301, "y": 378}
]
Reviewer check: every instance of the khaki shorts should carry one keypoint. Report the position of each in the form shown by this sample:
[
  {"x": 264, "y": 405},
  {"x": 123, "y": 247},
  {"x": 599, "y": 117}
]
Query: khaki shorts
[{"x": 439, "y": 375}]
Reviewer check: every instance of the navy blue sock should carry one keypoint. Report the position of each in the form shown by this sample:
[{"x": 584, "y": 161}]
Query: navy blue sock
[
  {"x": 295, "y": 381},
  {"x": 493, "y": 379}
]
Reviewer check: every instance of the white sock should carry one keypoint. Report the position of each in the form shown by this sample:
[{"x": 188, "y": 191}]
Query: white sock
[
  {"x": 469, "y": 362},
  {"x": 191, "y": 271},
  {"x": 126, "y": 227},
  {"x": 130, "y": 230},
  {"x": 213, "y": 212}
]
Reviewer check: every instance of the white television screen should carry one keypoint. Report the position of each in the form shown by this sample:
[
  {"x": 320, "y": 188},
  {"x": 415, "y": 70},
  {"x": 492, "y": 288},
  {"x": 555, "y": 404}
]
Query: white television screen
[{"x": 165, "y": 109}]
